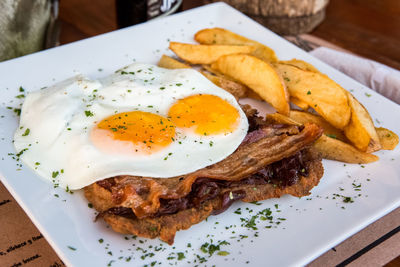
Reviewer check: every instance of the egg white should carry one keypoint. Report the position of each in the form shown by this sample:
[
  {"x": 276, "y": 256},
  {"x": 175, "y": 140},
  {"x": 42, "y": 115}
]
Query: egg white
[{"x": 60, "y": 118}]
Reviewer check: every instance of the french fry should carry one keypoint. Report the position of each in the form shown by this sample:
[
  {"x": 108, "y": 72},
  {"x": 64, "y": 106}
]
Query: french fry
[
  {"x": 206, "y": 54},
  {"x": 304, "y": 117},
  {"x": 388, "y": 139},
  {"x": 279, "y": 118},
  {"x": 300, "y": 64},
  {"x": 219, "y": 36},
  {"x": 301, "y": 104},
  {"x": 328, "y": 147},
  {"x": 361, "y": 131},
  {"x": 171, "y": 63},
  {"x": 236, "y": 89},
  {"x": 334, "y": 149},
  {"x": 258, "y": 75},
  {"x": 253, "y": 95},
  {"x": 319, "y": 91}
]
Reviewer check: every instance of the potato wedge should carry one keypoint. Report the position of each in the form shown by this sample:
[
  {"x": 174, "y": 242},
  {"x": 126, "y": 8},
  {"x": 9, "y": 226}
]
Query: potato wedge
[
  {"x": 300, "y": 64},
  {"x": 258, "y": 75},
  {"x": 219, "y": 36},
  {"x": 171, "y": 63},
  {"x": 253, "y": 95},
  {"x": 319, "y": 91},
  {"x": 361, "y": 131},
  {"x": 334, "y": 149},
  {"x": 304, "y": 117},
  {"x": 301, "y": 104},
  {"x": 236, "y": 89},
  {"x": 388, "y": 139},
  {"x": 279, "y": 118},
  {"x": 207, "y": 54}
]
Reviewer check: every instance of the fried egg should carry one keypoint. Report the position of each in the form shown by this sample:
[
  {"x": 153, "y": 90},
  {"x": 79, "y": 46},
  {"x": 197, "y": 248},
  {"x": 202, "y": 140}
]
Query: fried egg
[{"x": 142, "y": 120}]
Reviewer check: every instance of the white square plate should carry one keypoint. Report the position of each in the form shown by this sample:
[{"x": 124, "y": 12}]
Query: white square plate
[{"x": 311, "y": 225}]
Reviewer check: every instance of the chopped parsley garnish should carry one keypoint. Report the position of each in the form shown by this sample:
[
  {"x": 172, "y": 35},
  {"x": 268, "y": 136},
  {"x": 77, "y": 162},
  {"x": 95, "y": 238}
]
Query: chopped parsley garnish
[
  {"x": 181, "y": 256},
  {"x": 178, "y": 84},
  {"x": 21, "y": 89},
  {"x": 309, "y": 93},
  {"x": 54, "y": 174},
  {"x": 88, "y": 113},
  {"x": 72, "y": 248},
  {"x": 368, "y": 95},
  {"x": 27, "y": 131}
]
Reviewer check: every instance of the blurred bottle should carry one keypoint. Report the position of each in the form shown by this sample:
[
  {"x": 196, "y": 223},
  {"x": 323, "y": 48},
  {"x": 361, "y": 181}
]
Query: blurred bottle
[{"x": 130, "y": 12}]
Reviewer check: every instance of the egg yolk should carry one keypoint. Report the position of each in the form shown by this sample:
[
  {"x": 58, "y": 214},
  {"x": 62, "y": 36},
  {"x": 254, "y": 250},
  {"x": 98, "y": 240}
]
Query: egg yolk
[
  {"x": 205, "y": 114},
  {"x": 134, "y": 131}
]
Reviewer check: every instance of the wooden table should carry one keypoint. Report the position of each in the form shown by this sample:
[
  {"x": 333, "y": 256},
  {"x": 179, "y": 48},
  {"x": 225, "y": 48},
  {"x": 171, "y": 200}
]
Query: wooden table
[{"x": 369, "y": 28}]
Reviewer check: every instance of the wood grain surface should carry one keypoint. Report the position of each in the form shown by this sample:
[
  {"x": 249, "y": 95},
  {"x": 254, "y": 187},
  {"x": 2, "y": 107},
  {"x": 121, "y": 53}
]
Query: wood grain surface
[{"x": 369, "y": 28}]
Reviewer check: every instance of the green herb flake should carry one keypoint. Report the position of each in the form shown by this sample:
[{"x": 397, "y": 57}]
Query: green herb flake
[
  {"x": 101, "y": 240},
  {"x": 27, "y": 131},
  {"x": 181, "y": 256},
  {"x": 309, "y": 92},
  {"x": 71, "y": 248},
  {"x": 54, "y": 174},
  {"x": 88, "y": 113},
  {"x": 368, "y": 95}
]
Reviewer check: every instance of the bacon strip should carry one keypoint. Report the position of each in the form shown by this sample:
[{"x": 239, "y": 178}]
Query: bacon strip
[{"x": 143, "y": 194}]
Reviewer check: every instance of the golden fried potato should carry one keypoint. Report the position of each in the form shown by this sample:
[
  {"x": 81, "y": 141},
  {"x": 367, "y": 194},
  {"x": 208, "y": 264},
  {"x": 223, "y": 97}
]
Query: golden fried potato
[
  {"x": 279, "y": 118},
  {"x": 253, "y": 95},
  {"x": 327, "y": 146},
  {"x": 207, "y": 54},
  {"x": 301, "y": 104},
  {"x": 388, "y": 139},
  {"x": 219, "y": 36},
  {"x": 361, "y": 131},
  {"x": 319, "y": 91},
  {"x": 236, "y": 89},
  {"x": 258, "y": 75},
  {"x": 334, "y": 149},
  {"x": 171, "y": 63},
  {"x": 300, "y": 64},
  {"x": 304, "y": 117}
]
